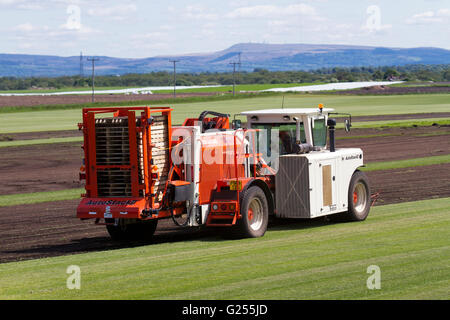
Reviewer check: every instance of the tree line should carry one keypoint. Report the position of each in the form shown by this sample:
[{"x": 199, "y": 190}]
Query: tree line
[{"x": 435, "y": 73}]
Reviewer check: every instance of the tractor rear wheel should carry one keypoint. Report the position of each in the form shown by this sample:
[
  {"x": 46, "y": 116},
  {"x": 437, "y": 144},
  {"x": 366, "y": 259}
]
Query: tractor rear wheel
[
  {"x": 358, "y": 198},
  {"x": 131, "y": 230},
  {"x": 255, "y": 214}
]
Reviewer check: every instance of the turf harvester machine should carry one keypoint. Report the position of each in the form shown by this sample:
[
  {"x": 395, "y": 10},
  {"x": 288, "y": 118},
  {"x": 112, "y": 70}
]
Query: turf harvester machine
[{"x": 138, "y": 169}]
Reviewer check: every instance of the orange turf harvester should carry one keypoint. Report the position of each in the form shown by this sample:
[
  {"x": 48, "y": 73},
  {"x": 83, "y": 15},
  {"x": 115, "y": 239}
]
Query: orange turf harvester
[{"x": 138, "y": 169}]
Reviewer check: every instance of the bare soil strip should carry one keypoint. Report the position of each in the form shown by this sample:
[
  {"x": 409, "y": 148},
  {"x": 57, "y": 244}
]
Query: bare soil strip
[
  {"x": 407, "y": 146},
  {"x": 19, "y": 101},
  {"x": 410, "y": 184},
  {"x": 39, "y": 168}
]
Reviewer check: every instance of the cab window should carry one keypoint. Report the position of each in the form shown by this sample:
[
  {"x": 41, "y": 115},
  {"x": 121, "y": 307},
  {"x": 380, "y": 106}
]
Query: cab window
[
  {"x": 319, "y": 132},
  {"x": 286, "y": 136}
]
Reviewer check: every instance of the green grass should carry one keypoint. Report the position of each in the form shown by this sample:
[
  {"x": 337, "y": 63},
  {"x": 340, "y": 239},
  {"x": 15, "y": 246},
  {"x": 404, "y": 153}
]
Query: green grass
[
  {"x": 21, "y": 143},
  {"x": 431, "y": 134},
  {"x": 303, "y": 260},
  {"x": 165, "y": 101},
  {"x": 53, "y": 120},
  {"x": 399, "y": 164},
  {"x": 420, "y": 84},
  {"x": 399, "y": 123},
  {"x": 38, "y": 197}
]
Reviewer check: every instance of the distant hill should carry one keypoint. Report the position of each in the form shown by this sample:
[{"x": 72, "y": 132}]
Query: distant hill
[{"x": 274, "y": 57}]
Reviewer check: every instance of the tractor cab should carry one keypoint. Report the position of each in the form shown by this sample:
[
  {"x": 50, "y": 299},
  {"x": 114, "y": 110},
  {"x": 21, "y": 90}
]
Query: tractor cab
[{"x": 297, "y": 130}]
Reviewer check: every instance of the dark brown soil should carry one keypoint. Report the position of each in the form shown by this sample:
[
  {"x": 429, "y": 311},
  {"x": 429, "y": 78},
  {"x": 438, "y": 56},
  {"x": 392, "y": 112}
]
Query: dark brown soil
[
  {"x": 46, "y": 167},
  {"x": 409, "y": 144},
  {"x": 410, "y": 184},
  {"x": 13, "y": 101}
]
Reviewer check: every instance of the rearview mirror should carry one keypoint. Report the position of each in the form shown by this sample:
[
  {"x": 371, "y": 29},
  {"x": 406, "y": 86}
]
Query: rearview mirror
[
  {"x": 348, "y": 125},
  {"x": 237, "y": 124}
]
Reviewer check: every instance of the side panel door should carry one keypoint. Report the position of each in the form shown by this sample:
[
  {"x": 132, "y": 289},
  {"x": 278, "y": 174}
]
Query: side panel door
[{"x": 326, "y": 187}]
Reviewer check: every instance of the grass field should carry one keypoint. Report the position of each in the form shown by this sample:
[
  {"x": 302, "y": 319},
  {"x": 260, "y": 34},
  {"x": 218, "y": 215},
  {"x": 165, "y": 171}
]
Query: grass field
[
  {"x": 408, "y": 163},
  {"x": 38, "y": 197},
  {"x": 21, "y": 143},
  {"x": 54, "y": 120},
  {"x": 303, "y": 260}
]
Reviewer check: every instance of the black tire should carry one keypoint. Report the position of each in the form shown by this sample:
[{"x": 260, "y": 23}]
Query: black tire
[
  {"x": 139, "y": 230},
  {"x": 358, "y": 205},
  {"x": 358, "y": 209},
  {"x": 255, "y": 214}
]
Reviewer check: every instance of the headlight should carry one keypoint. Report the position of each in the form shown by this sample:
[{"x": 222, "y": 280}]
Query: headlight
[{"x": 215, "y": 207}]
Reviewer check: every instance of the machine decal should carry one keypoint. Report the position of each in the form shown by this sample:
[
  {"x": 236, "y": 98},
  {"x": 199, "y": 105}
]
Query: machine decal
[{"x": 111, "y": 203}]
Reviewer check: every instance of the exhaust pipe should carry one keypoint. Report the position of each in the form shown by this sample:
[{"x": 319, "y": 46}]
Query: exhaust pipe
[{"x": 331, "y": 123}]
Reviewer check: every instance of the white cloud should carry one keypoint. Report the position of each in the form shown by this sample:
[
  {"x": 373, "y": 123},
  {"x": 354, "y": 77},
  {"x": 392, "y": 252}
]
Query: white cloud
[
  {"x": 66, "y": 29},
  {"x": 25, "y": 27},
  {"x": 35, "y": 4},
  {"x": 199, "y": 12},
  {"x": 443, "y": 13},
  {"x": 150, "y": 35},
  {"x": 430, "y": 17},
  {"x": 262, "y": 11},
  {"x": 118, "y": 12}
]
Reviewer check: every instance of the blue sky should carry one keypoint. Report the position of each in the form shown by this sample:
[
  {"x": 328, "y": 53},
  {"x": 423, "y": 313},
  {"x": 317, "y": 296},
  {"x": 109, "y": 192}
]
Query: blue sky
[{"x": 136, "y": 28}]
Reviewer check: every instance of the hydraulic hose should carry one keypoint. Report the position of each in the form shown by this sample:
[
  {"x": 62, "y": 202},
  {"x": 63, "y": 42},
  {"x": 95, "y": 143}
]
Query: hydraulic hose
[{"x": 184, "y": 224}]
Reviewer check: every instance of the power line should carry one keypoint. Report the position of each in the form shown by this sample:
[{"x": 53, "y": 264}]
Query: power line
[
  {"x": 174, "y": 77},
  {"x": 93, "y": 59}
]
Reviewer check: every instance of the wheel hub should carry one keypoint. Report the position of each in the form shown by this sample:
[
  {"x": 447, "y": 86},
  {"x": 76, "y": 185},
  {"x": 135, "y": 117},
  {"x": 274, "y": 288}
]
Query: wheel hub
[{"x": 255, "y": 214}]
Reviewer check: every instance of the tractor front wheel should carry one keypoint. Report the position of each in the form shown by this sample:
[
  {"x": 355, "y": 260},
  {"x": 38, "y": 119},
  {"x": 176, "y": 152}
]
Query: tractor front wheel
[{"x": 254, "y": 214}]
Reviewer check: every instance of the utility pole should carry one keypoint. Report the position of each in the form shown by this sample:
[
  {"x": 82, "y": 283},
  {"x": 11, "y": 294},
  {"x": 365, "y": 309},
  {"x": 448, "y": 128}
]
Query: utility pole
[
  {"x": 81, "y": 65},
  {"x": 93, "y": 59},
  {"x": 174, "y": 77},
  {"x": 234, "y": 78},
  {"x": 239, "y": 61}
]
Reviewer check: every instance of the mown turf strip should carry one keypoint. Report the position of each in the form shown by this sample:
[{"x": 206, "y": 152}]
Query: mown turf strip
[
  {"x": 400, "y": 123},
  {"x": 399, "y": 164},
  {"x": 21, "y": 143},
  {"x": 38, "y": 197},
  {"x": 381, "y": 135},
  {"x": 301, "y": 260}
]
